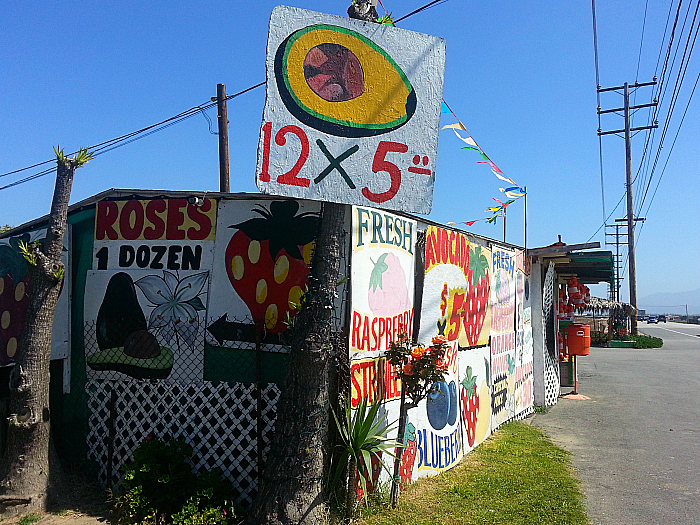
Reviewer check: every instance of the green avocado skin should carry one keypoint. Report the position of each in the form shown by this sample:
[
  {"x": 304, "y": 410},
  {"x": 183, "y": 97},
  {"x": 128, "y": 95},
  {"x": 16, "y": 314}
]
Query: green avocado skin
[
  {"x": 115, "y": 359},
  {"x": 120, "y": 314}
]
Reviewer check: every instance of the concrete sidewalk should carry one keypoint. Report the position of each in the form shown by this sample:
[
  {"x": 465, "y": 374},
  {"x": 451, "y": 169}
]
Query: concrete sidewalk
[{"x": 636, "y": 442}]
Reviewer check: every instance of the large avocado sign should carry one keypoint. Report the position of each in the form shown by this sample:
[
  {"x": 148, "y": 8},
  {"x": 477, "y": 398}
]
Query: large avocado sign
[{"x": 352, "y": 112}]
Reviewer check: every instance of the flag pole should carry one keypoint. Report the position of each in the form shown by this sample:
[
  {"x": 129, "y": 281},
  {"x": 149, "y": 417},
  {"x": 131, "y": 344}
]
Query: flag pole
[
  {"x": 504, "y": 223},
  {"x": 525, "y": 215}
]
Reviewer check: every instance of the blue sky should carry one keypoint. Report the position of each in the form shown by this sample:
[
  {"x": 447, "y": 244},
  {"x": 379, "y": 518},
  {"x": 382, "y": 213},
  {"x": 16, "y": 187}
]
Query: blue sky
[{"x": 520, "y": 76}]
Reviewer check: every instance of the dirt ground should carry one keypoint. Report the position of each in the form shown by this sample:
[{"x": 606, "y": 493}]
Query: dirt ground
[
  {"x": 84, "y": 502},
  {"x": 65, "y": 518}
]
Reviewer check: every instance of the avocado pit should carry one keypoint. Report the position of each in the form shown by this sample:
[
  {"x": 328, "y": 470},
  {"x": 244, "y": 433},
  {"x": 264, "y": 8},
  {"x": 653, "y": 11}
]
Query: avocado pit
[{"x": 141, "y": 344}]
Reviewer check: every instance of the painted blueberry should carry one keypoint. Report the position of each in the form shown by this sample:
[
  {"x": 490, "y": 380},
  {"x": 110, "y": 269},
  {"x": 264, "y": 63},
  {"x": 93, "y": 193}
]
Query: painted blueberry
[{"x": 438, "y": 405}]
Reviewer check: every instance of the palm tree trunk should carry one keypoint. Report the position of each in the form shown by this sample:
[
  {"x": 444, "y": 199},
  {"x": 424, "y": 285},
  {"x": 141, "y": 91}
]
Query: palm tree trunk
[
  {"x": 25, "y": 468},
  {"x": 291, "y": 489}
]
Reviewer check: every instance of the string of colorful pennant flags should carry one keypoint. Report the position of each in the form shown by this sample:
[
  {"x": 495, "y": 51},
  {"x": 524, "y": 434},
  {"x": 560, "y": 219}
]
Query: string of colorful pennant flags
[{"x": 513, "y": 192}]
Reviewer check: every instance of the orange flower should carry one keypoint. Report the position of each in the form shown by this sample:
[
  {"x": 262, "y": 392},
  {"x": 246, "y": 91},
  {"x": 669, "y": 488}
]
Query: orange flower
[
  {"x": 408, "y": 369},
  {"x": 439, "y": 340},
  {"x": 417, "y": 352}
]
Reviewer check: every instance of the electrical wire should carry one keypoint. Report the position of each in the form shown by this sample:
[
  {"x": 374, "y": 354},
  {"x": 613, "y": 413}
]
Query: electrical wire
[
  {"x": 641, "y": 44},
  {"x": 597, "y": 82},
  {"x": 123, "y": 140},
  {"x": 644, "y": 160},
  {"x": 680, "y": 77},
  {"x": 658, "y": 182},
  {"x": 30, "y": 177},
  {"x": 114, "y": 143},
  {"x": 426, "y": 6},
  {"x": 660, "y": 94},
  {"x": 605, "y": 219},
  {"x": 682, "y": 70}
]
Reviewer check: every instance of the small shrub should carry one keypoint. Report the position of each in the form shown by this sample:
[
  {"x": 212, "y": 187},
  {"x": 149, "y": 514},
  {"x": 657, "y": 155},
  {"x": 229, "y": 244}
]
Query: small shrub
[
  {"x": 202, "y": 509},
  {"x": 160, "y": 488},
  {"x": 646, "y": 341},
  {"x": 599, "y": 338}
]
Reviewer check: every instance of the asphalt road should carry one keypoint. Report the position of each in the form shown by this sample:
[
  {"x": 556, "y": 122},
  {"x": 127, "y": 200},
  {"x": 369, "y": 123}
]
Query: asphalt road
[{"x": 636, "y": 442}]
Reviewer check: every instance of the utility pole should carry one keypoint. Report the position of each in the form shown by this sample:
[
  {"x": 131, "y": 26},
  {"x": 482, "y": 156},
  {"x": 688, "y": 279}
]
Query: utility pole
[
  {"x": 223, "y": 138},
  {"x": 628, "y": 172},
  {"x": 615, "y": 292}
]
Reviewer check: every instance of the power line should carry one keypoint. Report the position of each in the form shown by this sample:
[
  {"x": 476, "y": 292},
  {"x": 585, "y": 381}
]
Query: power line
[
  {"x": 426, "y": 6},
  {"x": 123, "y": 140},
  {"x": 672, "y": 146},
  {"x": 682, "y": 69},
  {"x": 31, "y": 177},
  {"x": 597, "y": 82},
  {"x": 605, "y": 219},
  {"x": 662, "y": 79}
]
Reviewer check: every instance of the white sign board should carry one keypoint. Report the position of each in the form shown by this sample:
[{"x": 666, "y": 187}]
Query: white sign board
[{"x": 352, "y": 112}]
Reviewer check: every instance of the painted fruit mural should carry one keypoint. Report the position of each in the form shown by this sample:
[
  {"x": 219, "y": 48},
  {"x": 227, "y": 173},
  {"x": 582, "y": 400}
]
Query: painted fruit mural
[
  {"x": 14, "y": 294},
  {"x": 442, "y": 404},
  {"x": 470, "y": 405},
  {"x": 408, "y": 456},
  {"x": 124, "y": 342},
  {"x": 388, "y": 290},
  {"x": 336, "y": 80},
  {"x": 483, "y": 421},
  {"x": 477, "y": 298},
  {"x": 14, "y": 299},
  {"x": 267, "y": 261},
  {"x": 371, "y": 481}
]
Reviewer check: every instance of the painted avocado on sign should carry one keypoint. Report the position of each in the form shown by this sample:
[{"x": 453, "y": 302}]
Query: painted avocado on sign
[
  {"x": 352, "y": 111},
  {"x": 146, "y": 295},
  {"x": 455, "y": 289},
  {"x": 145, "y": 324},
  {"x": 383, "y": 247}
]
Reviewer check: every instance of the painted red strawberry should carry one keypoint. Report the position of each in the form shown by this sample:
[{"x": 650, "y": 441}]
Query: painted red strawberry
[
  {"x": 388, "y": 288},
  {"x": 470, "y": 405},
  {"x": 268, "y": 259},
  {"x": 370, "y": 481},
  {"x": 14, "y": 297},
  {"x": 408, "y": 457},
  {"x": 477, "y": 298}
]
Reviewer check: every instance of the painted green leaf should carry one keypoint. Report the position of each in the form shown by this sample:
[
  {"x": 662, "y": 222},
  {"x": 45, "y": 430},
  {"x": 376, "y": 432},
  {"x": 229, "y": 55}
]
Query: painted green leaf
[
  {"x": 478, "y": 264},
  {"x": 469, "y": 382},
  {"x": 197, "y": 304},
  {"x": 13, "y": 263},
  {"x": 375, "y": 279}
]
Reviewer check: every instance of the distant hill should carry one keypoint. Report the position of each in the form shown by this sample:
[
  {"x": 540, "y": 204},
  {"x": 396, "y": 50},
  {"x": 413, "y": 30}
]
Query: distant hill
[{"x": 671, "y": 303}]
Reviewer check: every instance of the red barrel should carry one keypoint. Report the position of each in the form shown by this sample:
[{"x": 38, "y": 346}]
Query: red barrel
[{"x": 579, "y": 339}]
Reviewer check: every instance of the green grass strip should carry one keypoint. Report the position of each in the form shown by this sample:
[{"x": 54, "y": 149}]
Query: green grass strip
[{"x": 516, "y": 477}]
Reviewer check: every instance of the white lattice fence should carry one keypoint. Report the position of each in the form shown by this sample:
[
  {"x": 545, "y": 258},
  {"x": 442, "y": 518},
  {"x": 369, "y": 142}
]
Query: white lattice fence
[
  {"x": 551, "y": 364},
  {"x": 219, "y": 421}
]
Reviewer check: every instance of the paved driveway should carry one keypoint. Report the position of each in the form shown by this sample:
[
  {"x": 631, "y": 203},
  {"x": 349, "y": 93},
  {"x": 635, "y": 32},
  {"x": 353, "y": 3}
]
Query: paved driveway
[{"x": 636, "y": 442}]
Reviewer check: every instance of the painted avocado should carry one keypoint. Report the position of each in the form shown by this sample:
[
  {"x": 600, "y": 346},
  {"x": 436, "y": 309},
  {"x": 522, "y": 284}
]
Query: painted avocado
[
  {"x": 125, "y": 344},
  {"x": 149, "y": 368},
  {"x": 120, "y": 314},
  {"x": 339, "y": 82}
]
